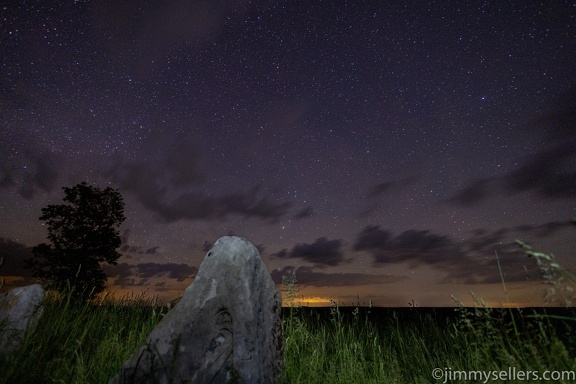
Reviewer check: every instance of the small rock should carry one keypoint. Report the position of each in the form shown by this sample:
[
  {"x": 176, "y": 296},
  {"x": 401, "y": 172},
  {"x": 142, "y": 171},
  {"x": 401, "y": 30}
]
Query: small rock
[
  {"x": 225, "y": 329},
  {"x": 20, "y": 309}
]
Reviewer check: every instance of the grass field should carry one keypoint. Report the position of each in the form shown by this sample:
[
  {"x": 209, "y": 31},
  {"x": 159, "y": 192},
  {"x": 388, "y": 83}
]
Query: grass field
[
  {"x": 405, "y": 346},
  {"x": 82, "y": 343}
]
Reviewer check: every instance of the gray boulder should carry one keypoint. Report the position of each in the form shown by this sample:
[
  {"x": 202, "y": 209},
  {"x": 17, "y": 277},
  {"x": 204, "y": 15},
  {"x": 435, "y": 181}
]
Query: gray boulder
[
  {"x": 20, "y": 309},
  {"x": 225, "y": 329}
]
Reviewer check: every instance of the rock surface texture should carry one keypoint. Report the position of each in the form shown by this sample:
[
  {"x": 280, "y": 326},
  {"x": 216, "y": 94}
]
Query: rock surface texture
[
  {"x": 225, "y": 329},
  {"x": 20, "y": 309}
]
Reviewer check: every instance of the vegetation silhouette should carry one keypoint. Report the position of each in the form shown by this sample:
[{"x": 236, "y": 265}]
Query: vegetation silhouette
[{"x": 83, "y": 233}]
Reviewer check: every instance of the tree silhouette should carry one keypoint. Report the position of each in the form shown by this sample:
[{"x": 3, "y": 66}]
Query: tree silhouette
[{"x": 83, "y": 233}]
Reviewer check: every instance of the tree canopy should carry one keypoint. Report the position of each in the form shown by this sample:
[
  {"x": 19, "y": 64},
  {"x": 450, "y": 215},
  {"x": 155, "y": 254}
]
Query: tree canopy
[{"x": 83, "y": 233}]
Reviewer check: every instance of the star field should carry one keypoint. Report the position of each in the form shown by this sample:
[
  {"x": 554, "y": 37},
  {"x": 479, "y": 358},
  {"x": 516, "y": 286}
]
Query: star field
[{"x": 383, "y": 151}]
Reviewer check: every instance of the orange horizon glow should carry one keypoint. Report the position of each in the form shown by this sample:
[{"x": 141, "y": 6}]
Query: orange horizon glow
[{"x": 520, "y": 295}]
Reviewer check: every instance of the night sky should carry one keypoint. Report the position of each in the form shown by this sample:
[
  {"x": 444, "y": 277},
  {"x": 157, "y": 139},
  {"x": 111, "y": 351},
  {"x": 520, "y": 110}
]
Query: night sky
[{"x": 385, "y": 151}]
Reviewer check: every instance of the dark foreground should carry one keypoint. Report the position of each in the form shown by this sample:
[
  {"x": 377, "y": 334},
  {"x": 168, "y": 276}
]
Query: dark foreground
[{"x": 558, "y": 317}]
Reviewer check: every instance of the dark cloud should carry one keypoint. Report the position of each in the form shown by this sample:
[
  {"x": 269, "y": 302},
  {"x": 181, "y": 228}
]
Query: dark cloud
[
  {"x": 470, "y": 261},
  {"x": 368, "y": 210},
  {"x": 485, "y": 241},
  {"x": 483, "y": 237},
  {"x": 305, "y": 213},
  {"x": 126, "y": 248},
  {"x": 550, "y": 171},
  {"x": 410, "y": 246},
  {"x": 430, "y": 248},
  {"x": 489, "y": 253},
  {"x": 207, "y": 245},
  {"x": 152, "y": 251},
  {"x": 162, "y": 188},
  {"x": 128, "y": 274},
  {"x": 475, "y": 193},
  {"x": 515, "y": 266},
  {"x": 38, "y": 173},
  {"x": 282, "y": 254},
  {"x": 121, "y": 274},
  {"x": 376, "y": 192},
  {"x": 378, "y": 189},
  {"x": 152, "y": 186},
  {"x": 182, "y": 164},
  {"x": 306, "y": 276},
  {"x": 483, "y": 245},
  {"x": 543, "y": 230},
  {"x": 180, "y": 272},
  {"x": 169, "y": 164},
  {"x": 558, "y": 124},
  {"x": 520, "y": 269},
  {"x": 322, "y": 252},
  {"x": 371, "y": 237}
]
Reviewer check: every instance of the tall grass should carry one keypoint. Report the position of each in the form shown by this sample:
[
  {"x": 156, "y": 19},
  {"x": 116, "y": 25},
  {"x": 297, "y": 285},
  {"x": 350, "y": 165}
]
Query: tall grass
[
  {"x": 403, "y": 349},
  {"x": 82, "y": 343},
  {"x": 79, "y": 342}
]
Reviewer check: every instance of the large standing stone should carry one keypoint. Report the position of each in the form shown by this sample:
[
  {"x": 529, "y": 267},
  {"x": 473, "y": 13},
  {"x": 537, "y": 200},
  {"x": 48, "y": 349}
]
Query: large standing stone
[
  {"x": 20, "y": 309},
  {"x": 225, "y": 329}
]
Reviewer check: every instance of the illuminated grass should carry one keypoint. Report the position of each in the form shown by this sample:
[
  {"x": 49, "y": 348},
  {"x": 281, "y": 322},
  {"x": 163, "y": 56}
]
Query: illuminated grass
[
  {"x": 349, "y": 350},
  {"x": 80, "y": 343}
]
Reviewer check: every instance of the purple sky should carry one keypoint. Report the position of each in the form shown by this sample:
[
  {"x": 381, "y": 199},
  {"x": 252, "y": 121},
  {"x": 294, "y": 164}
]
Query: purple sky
[{"x": 385, "y": 152}]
